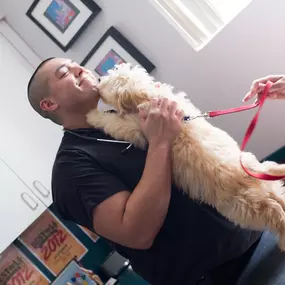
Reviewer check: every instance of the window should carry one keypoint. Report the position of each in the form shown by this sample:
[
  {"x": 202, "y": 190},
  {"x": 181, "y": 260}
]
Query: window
[{"x": 198, "y": 21}]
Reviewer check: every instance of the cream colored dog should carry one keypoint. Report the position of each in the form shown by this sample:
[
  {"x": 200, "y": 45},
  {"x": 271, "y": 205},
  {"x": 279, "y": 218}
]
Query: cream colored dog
[{"x": 205, "y": 159}]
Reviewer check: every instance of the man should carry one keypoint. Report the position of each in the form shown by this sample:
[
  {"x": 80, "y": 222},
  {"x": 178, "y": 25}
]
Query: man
[{"x": 126, "y": 196}]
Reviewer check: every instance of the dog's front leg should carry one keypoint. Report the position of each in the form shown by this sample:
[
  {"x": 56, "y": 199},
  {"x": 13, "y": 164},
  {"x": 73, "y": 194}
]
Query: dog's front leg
[{"x": 119, "y": 127}]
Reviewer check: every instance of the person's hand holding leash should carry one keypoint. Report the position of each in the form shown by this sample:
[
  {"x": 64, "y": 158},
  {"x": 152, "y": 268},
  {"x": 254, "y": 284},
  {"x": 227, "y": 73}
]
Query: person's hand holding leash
[
  {"x": 277, "y": 91},
  {"x": 163, "y": 122}
]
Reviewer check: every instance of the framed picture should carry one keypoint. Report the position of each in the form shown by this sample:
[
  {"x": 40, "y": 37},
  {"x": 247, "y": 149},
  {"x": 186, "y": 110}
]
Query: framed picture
[
  {"x": 58, "y": 247},
  {"x": 63, "y": 21},
  {"x": 113, "y": 48},
  {"x": 16, "y": 268},
  {"x": 74, "y": 274}
]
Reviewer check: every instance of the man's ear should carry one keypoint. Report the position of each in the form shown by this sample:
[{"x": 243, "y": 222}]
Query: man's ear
[{"x": 48, "y": 105}]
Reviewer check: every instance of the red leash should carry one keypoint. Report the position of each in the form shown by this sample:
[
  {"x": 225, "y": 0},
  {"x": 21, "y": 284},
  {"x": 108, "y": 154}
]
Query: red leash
[
  {"x": 250, "y": 130},
  {"x": 248, "y": 134}
]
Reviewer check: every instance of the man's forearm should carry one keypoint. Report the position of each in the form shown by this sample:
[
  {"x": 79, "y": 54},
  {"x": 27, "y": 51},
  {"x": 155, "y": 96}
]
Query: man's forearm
[{"x": 147, "y": 207}]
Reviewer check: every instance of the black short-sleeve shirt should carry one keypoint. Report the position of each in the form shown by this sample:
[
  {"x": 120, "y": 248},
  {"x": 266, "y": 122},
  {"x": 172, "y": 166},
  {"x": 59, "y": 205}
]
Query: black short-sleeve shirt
[{"x": 194, "y": 238}]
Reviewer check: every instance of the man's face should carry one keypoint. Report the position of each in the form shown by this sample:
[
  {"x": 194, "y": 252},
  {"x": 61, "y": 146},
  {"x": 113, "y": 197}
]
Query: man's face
[{"x": 73, "y": 89}]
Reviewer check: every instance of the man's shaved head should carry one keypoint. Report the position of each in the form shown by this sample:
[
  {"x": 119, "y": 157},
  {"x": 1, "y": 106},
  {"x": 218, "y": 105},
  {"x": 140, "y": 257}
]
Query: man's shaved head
[
  {"x": 38, "y": 88},
  {"x": 63, "y": 91}
]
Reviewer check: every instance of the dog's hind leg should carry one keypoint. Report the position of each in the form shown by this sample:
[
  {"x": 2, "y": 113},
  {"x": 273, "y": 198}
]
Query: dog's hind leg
[
  {"x": 273, "y": 168},
  {"x": 267, "y": 167},
  {"x": 256, "y": 210}
]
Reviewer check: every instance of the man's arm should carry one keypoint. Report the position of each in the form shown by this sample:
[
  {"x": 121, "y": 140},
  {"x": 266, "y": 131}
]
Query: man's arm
[{"x": 133, "y": 220}]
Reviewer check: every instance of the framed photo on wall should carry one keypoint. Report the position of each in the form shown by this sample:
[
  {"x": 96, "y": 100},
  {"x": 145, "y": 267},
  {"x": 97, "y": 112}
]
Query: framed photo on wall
[
  {"x": 63, "y": 21},
  {"x": 113, "y": 48}
]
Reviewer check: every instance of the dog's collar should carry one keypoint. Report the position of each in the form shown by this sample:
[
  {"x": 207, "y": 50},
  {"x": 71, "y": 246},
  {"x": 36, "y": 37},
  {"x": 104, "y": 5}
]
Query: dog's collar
[{"x": 110, "y": 111}]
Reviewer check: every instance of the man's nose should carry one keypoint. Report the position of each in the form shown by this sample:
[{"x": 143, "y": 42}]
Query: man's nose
[{"x": 77, "y": 70}]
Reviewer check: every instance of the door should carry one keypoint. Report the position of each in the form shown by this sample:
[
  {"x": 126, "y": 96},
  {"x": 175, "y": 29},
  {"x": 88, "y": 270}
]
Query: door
[
  {"x": 28, "y": 143},
  {"x": 19, "y": 207}
]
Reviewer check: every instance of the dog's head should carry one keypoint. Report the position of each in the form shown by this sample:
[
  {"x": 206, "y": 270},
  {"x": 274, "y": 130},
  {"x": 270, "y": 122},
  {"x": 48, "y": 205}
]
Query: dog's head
[{"x": 126, "y": 87}]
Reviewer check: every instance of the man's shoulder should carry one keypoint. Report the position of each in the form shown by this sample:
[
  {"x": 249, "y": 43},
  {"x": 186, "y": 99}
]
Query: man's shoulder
[
  {"x": 77, "y": 143},
  {"x": 70, "y": 163}
]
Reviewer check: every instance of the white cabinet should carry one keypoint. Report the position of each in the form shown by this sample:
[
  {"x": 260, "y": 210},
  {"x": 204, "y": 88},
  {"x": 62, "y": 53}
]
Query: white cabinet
[
  {"x": 28, "y": 143},
  {"x": 18, "y": 206}
]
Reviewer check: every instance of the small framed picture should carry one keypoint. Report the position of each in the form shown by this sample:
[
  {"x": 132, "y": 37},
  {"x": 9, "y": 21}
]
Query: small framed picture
[
  {"x": 63, "y": 21},
  {"x": 113, "y": 48}
]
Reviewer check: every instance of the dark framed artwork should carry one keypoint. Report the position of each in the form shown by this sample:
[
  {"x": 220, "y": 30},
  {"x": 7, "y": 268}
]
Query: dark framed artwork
[
  {"x": 63, "y": 21},
  {"x": 113, "y": 48}
]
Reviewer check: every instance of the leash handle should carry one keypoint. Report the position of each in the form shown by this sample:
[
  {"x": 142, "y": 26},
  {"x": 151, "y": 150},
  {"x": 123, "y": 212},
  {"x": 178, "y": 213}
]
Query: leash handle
[
  {"x": 262, "y": 176},
  {"x": 248, "y": 134}
]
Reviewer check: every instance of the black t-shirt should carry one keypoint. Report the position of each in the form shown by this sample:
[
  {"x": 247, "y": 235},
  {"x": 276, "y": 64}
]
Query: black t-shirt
[{"x": 194, "y": 237}]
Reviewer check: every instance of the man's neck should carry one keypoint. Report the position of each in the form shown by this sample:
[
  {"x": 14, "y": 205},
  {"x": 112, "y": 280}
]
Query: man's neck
[{"x": 76, "y": 123}]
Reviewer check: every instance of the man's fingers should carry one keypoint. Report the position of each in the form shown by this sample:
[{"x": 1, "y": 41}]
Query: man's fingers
[
  {"x": 153, "y": 104},
  {"x": 172, "y": 108},
  {"x": 180, "y": 114},
  {"x": 164, "y": 105},
  {"x": 142, "y": 114}
]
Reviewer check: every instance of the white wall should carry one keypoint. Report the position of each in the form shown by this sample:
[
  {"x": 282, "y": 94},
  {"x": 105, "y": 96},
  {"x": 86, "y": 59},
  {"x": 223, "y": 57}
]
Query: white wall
[
  {"x": 2, "y": 10},
  {"x": 251, "y": 46}
]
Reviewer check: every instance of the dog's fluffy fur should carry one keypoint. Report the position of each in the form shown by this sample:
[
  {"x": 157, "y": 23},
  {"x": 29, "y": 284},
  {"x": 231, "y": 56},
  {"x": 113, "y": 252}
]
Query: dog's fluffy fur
[{"x": 205, "y": 159}]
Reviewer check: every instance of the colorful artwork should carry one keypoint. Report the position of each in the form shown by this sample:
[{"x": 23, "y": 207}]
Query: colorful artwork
[
  {"x": 74, "y": 274},
  {"x": 108, "y": 62},
  {"x": 80, "y": 279},
  {"x": 52, "y": 243},
  {"x": 15, "y": 268},
  {"x": 61, "y": 13}
]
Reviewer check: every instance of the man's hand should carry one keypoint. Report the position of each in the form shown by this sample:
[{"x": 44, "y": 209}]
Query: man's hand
[
  {"x": 277, "y": 91},
  {"x": 163, "y": 122}
]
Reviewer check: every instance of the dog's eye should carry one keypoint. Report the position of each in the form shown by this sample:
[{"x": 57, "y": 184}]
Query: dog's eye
[{"x": 99, "y": 79}]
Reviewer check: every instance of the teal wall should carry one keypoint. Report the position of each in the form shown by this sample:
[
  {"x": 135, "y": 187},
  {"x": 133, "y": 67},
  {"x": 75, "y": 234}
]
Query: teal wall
[{"x": 278, "y": 155}]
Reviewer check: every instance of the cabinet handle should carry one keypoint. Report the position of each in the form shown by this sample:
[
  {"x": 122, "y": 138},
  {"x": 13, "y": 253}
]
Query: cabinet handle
[
  {"x": 41, "y": 188},
  {"x": 30, "y": 202}
]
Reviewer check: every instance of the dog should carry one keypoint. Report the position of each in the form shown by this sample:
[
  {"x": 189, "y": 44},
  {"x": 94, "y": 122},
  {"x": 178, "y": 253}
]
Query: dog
[{"x": 205, "y": 159}]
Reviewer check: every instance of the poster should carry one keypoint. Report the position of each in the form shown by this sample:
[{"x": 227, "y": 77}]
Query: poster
[
  {"x": 90, "y": 234},
  {"x": 52, "y": 243},
  {"x": 16, "y": 269}
]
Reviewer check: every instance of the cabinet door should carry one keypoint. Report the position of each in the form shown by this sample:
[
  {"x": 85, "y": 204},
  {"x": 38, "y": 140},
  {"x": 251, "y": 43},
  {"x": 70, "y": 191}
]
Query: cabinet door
[
  {"x": 28, "y": 142},
  {"x": 19, "y": 208}
]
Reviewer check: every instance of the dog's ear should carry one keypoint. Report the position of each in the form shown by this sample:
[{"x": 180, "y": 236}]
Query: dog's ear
[{"x": 128, "y": 101}]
